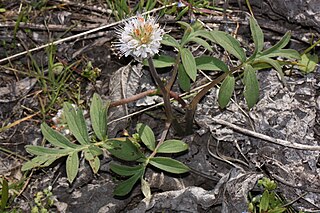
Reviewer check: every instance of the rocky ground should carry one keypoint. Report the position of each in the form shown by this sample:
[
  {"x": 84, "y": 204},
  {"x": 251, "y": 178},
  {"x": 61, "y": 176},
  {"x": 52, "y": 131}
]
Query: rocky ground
[{"x": 230, "y": 150}]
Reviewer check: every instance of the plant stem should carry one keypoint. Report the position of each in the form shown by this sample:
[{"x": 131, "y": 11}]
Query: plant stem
[
  {"x": 191, "y": 108},
  {"x": 164, "y": 91},
  {"x": 174, "y": 72},
  {"x": 144, "y": 94},
  {"x": 166, "y": 97},
  {"x": 162, "y": 139}
]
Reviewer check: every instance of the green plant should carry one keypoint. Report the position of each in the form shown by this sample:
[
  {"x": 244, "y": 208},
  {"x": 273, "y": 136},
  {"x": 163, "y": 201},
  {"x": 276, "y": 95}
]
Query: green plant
[
  {"x": 268, "y": 201},
  {"x": 122, "y": 9},
  {"x": 9, "y": 190},
  {"x": 4, "y": 193},
  {"x": 43, "y": 201},
  {"x": 185, "y": 65},
  {"x": 91, "y": 147}
]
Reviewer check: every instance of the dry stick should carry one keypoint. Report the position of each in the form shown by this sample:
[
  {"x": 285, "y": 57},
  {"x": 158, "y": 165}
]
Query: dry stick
[
  {"x": 267, "y": 138},
  {"x": 80, "y": 34}
]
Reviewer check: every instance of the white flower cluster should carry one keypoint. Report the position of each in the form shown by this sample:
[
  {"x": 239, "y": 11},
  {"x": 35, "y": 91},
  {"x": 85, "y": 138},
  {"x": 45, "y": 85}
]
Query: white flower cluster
[{"x": 141, "y": 37}]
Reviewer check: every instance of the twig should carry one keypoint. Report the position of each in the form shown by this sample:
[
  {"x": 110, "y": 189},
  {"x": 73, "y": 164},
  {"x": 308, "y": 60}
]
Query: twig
[
  {"x": 144, "y": 94},
  {"x": 221, "y": 159},
  {"x": 267, "y": 138},
  {"x": 18, "y": 122}
]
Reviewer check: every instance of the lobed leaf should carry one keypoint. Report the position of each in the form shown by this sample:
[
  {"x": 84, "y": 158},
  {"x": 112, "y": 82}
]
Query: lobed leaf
[
  {"x": 189, "y": 63},
  {"x": 124, "y": 150},
  {"x": 76, "y": 123},
  {"x": 169, "y": 165},
  {"x": 146, "y": 136},
  {"x": 226, "y": 91},
  {"x": 72, "y": 166},
  {"x": 172, "y": 146},
  {"x": 210, "y": 63},
  {"x": 251, "y": 83},
  {"x": 56, "y": 138},
  {"x": 229, "y": 43},
  {"x": 126, "y": 186},
  {"x": 98, "y": 115}
]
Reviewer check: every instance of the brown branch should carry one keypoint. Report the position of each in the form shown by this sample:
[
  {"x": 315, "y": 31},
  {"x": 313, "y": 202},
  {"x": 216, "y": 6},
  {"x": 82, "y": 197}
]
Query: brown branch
[{"x": 144, "y": 94}]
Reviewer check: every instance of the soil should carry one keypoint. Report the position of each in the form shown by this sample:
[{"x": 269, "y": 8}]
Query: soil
[{"x": 226, "y": 162}]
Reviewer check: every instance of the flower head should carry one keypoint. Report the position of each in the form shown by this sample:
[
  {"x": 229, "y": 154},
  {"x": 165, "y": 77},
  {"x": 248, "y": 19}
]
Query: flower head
[{"x": 141, "y": 37}]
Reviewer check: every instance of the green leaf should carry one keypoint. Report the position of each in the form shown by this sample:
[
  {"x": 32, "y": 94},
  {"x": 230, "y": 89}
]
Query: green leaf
[
  {"x": 183, "y": 78},
  {"x": 203, "y": 33},
  {"x": 229, "y": 43},
  {"x": 285, "y": 53},
  {"x": 56, "y": 138},
  {"x": 251, "y": 83},
  {"x": 182, "y": 12},
  {"x": 169, "y": 165},
  {"x": 210, "y": 63},
  {"x": 264, "y": 202},
  {"x": 39, "y": 161},
  {"x": 124, "y": 150},
  {"x": 146, "y": 136},
  {"x": 275, "y": 64},
  {"x": 145, "y": 188},
  {"x": 93, "y": 160},
  {"x": 95, "y": 164},
  {"x": 188, "y": 30},
  {"x": 202, "y": 43},
  {"x": 168, "y": 40},
  {"x": 189, "y": 63},
  {"x": 72, "y": 166},
  {"x": 76, "y": 123},
  {"x": 126, "y": 186},
  {"x": 226, "y": 91},
  {"x": 98, "y": 115},
  {"x": 125, "y": 170},
  {"x": 257, "y": 35},
  {"x": 279, "y": 45},
  {"x": 40, "y": 150},
  {"x": 161, "y": 61},
  {"x": 172, "y": 146},
  {"x": 96, "y": 151},
  {"x": 308, "y": 63},
  {"x": 4, "y": 193}
]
